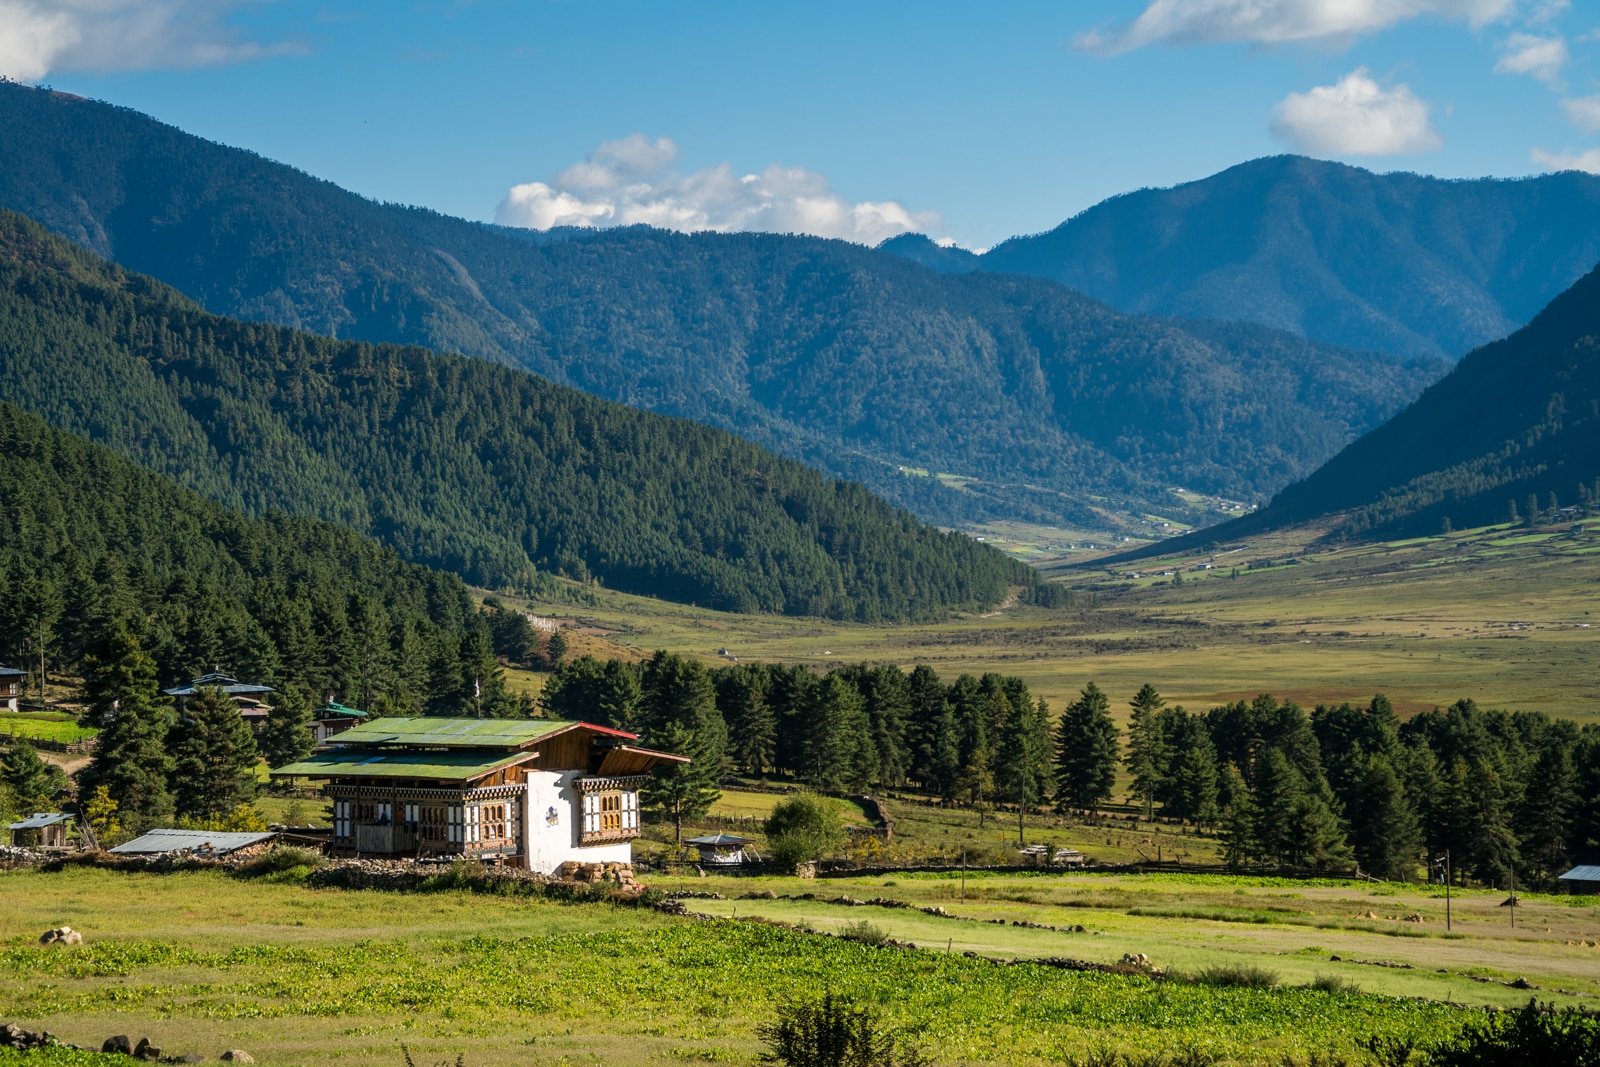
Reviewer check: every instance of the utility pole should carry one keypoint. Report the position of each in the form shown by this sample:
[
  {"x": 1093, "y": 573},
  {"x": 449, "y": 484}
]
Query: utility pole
[
  {"x": 963, "y": 876},
  {"x": 477, "y": 696},
  {"x": 1447, "y": 879}
]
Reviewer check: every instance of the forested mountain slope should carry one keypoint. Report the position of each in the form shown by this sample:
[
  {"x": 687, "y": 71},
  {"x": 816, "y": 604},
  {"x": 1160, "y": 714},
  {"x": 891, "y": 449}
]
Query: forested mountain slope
[
  {"x": 1395, "y": 262},
  {"x": 852, "y": 359},
  {"x": 1514, "y": 428},
  {"x": 90, "y": 541},
  {"x": 461, "y": 464}
]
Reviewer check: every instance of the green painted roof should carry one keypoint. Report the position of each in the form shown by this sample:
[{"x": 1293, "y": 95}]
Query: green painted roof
[
  {"x": 441, "y": 732},
  {"x": 449, "y": 766}
]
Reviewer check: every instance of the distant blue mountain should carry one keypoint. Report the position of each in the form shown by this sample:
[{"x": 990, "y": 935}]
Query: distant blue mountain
[{"x": 1398, "y": 263}]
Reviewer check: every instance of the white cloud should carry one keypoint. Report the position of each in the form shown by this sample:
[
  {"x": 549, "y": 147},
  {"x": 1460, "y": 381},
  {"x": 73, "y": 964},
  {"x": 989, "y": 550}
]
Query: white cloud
[
  {"x": 634, "y": 180},
  {"x": 1587, "y": 160},
  {"x": 40, "y": 37},
  {"x": 1540, "y": 57},
  {"x": 1181, "y": 22},
  {"x": 1584, "y": 112},
  {"x": 1356, "y": 117}
]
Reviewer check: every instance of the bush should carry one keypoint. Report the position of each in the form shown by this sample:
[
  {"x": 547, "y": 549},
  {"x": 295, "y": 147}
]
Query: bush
[
  {"x": 865, "y": 932},
  {"x": 830, "y": 1033},
  {"x": 284, "y": 863},
  {"x": 803, "y": 827},
  {"x": 1333, "y": 983},
  {"x": 1242, "y": 975},
  {"x": 1529, "y": 1036}
]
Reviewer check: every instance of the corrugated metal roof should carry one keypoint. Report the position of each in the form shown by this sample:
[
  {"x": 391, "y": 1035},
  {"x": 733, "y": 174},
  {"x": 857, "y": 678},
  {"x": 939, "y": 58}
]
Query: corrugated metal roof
[
  {"x": 334, "y": 709},
  {"x": 357, "y": 762},
  {"x": 441, "y": 732},
  {"x": 225, "y": 682},
  {"x": 1582, "y": 874},
  {"x": 718, "y": 839},
  {"x": 11, "y": 670},
  {"x": 39, "y": 820},
  {"x": 198, "y": 840}
]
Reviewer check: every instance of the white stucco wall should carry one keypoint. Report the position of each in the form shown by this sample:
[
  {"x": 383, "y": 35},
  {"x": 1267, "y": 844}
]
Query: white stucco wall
[{"x": 553, "y": 822}]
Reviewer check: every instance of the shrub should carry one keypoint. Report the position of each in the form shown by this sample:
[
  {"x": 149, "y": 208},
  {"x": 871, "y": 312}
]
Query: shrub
[
  {"x": 1529, "y": 1036},
  {"x": 866, "y": 932},
  {"x": 802, "y": 827},
  {"x": 1242, "y": 975},
  {"x": 831, "y": 1033},
  {"x": 1333, "y": 983},
  {"x": 284, "y": 863}
]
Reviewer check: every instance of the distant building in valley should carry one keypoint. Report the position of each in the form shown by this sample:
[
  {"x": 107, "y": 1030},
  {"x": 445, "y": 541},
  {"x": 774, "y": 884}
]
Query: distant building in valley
[
  {"x": 334, "y": 718},
  {"x": 249, "y": 696},
  {"x": 524, "y": 792}
]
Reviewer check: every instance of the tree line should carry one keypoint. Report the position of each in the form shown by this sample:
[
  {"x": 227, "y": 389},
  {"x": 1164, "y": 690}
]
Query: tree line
[{"x": 1343, "y": 786}]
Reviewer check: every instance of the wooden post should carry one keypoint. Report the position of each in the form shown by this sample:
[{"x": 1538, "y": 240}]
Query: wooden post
[{"x": 1447, "y": 889}]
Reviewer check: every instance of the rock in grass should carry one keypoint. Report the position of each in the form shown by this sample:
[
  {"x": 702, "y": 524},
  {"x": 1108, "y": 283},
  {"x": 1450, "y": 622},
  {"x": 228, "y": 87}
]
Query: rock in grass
[
  {"x": 238, "y": 1055},
  {"x": 120, "y": 1043}
]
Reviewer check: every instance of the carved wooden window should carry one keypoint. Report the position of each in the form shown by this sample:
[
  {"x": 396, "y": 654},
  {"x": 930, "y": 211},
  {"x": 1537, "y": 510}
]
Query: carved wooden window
[{"x": 610, "y": 814}]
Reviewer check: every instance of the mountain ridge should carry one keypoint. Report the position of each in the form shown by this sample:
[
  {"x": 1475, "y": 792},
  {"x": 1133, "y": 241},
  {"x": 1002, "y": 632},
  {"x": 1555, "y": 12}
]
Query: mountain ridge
[
  {"x": 1052, "y": 406},
  {"x": 1398, "y": 262}
]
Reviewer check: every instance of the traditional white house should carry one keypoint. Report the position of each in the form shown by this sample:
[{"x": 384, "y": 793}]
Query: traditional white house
[{"x": 532, "y": 793}]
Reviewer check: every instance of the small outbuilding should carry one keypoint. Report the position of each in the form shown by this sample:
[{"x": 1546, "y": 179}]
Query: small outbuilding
[
  {"x": 199, "y": 842},
  {"x": 42, "y": 829},
  {"x": 1582, "y": 881},
  {"x": 724, "y": 850}
]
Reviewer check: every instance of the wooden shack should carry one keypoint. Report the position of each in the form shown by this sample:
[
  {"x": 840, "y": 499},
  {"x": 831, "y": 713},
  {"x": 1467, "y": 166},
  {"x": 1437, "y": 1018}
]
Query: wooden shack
[
  {"x": 532, "y": 793},
  {"x": 42, "y": 829},
  {"x": 11, "y": 683}
]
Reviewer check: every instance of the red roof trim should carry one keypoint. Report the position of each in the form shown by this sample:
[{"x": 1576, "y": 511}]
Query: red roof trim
[
  {"x": 608, "y": 731},
  {"x": 655, "y": 752}
]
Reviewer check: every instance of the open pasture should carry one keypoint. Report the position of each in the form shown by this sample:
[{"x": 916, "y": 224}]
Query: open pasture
[
  {"x": 1500, "y": 615},
  {"x": 201, "y": 962}
]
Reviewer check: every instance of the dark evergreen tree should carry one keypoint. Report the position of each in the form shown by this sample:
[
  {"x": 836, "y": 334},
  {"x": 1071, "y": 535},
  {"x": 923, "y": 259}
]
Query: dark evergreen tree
[
  {"x": 214, "y": 757},
  {"x": 1385, "y": 833},
  {"x": 1545, "y": 815},
  {"x": 680, "y": 791},
  {"x": 1148, "y": 757},
  {"x": 287, "y": 735},
  {"x": 1023, "y": 775},
  {"x": 1087, "y": 752},
  {"x": 1193, "y": 785},
  {"x": 34, "y": 784},
  {"x": 678, "y": 690},
  {"x": 131, "y": 760},
  {"x": 839, "y": 751}
]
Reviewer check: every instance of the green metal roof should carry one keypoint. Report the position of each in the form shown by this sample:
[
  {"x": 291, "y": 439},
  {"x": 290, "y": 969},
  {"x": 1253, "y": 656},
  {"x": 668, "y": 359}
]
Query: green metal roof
[
  {"x": 333, "y": 707},
  {"x": 441, "y": 732},
  {"x": 448, "y": 766}
]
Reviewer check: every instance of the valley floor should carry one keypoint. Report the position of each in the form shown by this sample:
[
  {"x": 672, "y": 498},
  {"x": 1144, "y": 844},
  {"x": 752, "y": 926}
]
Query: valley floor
[
  {"x": 1500, "y": 615},
  {"x": 202, "y": 961}
]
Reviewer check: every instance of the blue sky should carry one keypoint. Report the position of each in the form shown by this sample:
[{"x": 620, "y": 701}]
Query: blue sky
[{"x": 966, "y": 121}]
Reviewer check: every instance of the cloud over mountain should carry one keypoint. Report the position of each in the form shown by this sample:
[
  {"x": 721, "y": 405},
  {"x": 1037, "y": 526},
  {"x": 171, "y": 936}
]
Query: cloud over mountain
[
  {"x": 1183, "y": 22},
  {"x": 635, "y": 180},
  {"x": 40, "y": 37},
  {"x": 1356, "y": 117}
]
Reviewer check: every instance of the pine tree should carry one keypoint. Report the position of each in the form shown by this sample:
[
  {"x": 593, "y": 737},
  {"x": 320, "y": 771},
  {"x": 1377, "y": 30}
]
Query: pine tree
[
  {"x": 1194, "y": 785},
  {"x": 618, "y": 696},
  {"x": 681, "y": 791},
  {"x": 931, "y": 734},
  {"x": 837, "y": 748},
  {"x": 214, "y": 757},
  {"x": 1087, "y": 752},
  {"x": 1238, "y": 819},
  {"x": 676, "y": 690},
  {"x": 287, "y": 736},
  {"x": 752, "y": 726},
  {"x": 131, "y": 760},
  {"x": 1385, "y": 833},
  {"x": 1148, "y": 757},
  {"x": 1024, "y": 773},
  {"x": 888, "y": 695},
  {"x": 33, "y": 783},
  {"x": 556, "y": 648}
]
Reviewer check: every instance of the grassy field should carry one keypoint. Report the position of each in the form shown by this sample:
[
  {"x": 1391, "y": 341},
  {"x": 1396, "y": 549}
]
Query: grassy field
[
  {"x": 1499, "y": 615},
  {"x": 201, "y": 962},
  {"x": 43, "y": 725}
]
